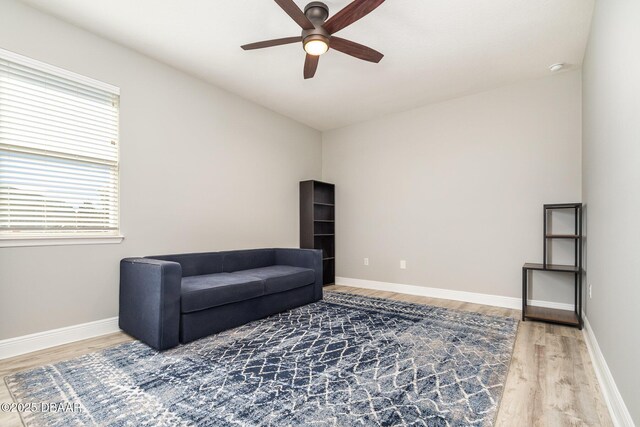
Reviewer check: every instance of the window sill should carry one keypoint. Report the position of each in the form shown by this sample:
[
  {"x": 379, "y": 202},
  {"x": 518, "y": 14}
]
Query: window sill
[{"x": 9, "y": 242}]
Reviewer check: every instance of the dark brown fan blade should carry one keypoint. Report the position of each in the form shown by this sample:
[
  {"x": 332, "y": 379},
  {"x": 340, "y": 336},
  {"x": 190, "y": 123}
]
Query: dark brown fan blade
[
  {"x": 355, "y": 49},
  {"x": 269, "y": 43},
  {"x": 350, "y": 14},
  {"x": 310, "y": 66},
  {"x": 295, "y": 13}
]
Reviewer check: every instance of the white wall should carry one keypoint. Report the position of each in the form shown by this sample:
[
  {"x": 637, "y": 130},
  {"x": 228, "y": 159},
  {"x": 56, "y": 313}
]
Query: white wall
[
  {"x": 611, "y": 189},
  {"x": 456, "y": 189},
  {"x": 201, "y": 170}
]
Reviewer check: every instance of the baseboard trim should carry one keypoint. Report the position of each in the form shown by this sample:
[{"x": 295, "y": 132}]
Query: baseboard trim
[
  {"x": 477, "y": 298},
  {"x": 617, "y": 408},
  {"x": 548, "y": 304},
  {"x": 27, "y": 343}
]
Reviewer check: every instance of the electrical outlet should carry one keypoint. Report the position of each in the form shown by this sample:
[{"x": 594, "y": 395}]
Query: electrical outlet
[
  {"x": 366, "y": 261},
  {"x": 403, "y": 264},
  {"x": 590, "y": 294}
]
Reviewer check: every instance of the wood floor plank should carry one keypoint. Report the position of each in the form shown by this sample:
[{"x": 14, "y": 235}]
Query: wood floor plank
[
  {"x": 593, "y": 386},
  {"x": 551, "y": 381},
  {"x": 522, "y": 391}
]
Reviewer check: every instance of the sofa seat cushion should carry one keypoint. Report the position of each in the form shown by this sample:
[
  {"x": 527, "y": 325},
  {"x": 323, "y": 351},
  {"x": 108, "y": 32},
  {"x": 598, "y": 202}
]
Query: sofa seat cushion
[
  {"x": 213, "y": 290},
  {"x": 280, "y": 278}
]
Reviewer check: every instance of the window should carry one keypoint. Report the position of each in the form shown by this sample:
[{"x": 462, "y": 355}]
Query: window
[{"x": 58, "y": 155}]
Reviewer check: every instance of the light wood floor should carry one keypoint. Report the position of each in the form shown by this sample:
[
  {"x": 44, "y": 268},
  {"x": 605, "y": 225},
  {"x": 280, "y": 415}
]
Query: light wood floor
[{"x": 551, "y": 381}]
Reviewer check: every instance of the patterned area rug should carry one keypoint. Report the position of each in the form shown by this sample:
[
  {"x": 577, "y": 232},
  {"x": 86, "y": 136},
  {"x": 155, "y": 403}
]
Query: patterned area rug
[{"x": 344, "y": 361}]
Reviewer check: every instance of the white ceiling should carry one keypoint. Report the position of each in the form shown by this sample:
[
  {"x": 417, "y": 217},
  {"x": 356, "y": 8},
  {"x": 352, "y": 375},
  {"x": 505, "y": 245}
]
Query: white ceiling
[{"x": 434, "y": 49}]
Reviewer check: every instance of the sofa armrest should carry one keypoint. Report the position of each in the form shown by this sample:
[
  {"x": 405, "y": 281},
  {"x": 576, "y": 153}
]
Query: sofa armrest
[
  {"x": 306, "y": 258},
  {"x": 150, "y": 301}
]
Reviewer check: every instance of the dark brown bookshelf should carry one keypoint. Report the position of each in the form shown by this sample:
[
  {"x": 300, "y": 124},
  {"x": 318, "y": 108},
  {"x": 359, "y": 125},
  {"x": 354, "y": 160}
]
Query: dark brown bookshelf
[
  {"x": 317, "y": 223},
  {"x": 554, "y": 315}
]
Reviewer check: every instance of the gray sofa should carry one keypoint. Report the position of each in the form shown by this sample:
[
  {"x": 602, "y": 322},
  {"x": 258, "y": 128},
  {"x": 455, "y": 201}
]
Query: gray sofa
[{"x": 170, "y": 299}]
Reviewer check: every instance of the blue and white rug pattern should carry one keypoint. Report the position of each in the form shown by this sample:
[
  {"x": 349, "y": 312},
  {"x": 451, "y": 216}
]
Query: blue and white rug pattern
[{"x": 345, "y": 361}]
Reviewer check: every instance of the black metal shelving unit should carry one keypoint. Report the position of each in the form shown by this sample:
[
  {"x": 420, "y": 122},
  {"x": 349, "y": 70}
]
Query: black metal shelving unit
[
  {"x": 552, "y": 315},
  {"x": 317, "y": 223}
]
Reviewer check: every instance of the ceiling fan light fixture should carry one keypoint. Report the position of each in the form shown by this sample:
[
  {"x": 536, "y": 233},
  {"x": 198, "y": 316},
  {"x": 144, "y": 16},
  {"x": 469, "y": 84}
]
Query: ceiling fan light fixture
[
  {"x": 317, "y": 31},
  {"x": 316, "y": 45}
]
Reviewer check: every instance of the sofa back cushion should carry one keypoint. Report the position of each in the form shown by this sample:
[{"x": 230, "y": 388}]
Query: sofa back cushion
[
  {"x": 247, "y": 259},
  {"x": 196, "y": 264}
]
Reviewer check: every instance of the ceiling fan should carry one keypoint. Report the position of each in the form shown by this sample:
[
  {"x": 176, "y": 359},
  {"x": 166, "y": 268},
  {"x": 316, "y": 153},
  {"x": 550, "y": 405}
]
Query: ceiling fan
[{"x": 317, "y": 32}]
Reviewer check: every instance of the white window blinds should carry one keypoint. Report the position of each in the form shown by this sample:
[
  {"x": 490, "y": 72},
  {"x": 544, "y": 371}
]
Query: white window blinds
[{"x": 58, "y": 151}]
